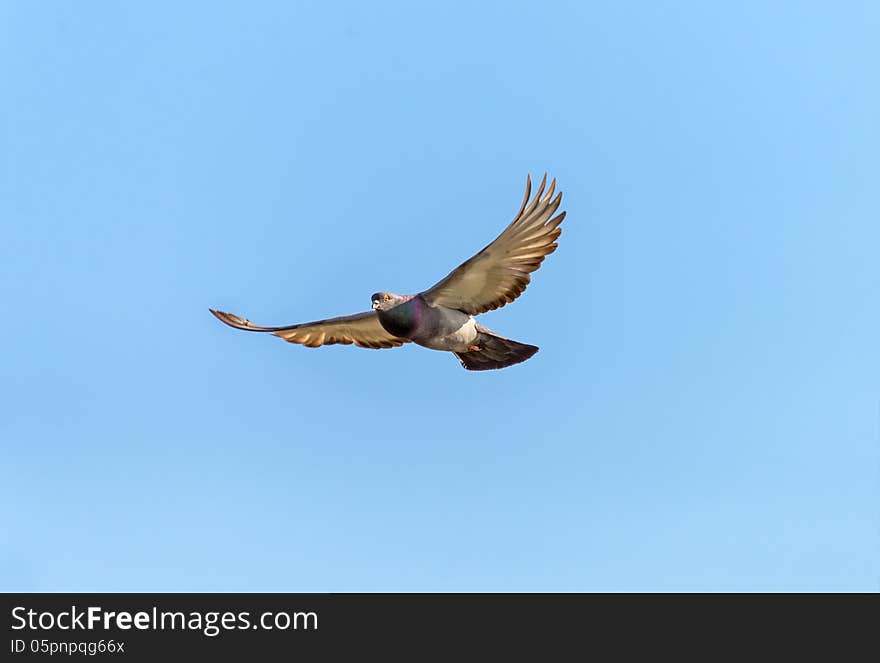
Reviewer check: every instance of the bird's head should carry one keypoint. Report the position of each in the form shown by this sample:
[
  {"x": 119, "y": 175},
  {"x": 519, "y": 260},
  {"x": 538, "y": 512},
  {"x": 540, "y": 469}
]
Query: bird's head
[{"x": 382, "y": 301}]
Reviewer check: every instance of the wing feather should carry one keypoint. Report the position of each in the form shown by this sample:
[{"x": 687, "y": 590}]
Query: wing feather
[
  {"x": 362, "y": 329},
  {"x": 501, "y": 271}
]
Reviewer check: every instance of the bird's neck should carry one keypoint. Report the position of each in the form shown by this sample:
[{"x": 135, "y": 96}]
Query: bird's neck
[{"x": 402, "y": 319}]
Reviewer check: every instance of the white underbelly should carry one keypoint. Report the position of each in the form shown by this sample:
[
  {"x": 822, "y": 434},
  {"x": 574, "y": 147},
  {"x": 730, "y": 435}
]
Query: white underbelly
[{"x": 457, "y": 341}]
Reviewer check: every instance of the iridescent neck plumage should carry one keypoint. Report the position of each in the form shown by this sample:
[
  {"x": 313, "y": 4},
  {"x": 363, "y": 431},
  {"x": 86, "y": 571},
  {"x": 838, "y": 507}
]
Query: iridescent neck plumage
[{"x": 403, "y": 318}]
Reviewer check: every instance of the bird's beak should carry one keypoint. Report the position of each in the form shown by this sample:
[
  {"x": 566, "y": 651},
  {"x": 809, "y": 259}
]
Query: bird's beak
[{"x": 375, "y": 304}]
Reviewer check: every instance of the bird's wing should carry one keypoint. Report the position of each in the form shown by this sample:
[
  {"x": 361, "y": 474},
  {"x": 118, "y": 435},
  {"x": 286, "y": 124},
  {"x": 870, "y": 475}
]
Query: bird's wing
[
  {"x": 500, "y": 272},
  {"x": 362, "y": 329}
]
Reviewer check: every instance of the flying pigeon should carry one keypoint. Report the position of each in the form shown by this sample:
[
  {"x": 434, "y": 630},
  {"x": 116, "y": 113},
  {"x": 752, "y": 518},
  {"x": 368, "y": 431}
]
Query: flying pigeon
[{"x": 442, "y": 317}]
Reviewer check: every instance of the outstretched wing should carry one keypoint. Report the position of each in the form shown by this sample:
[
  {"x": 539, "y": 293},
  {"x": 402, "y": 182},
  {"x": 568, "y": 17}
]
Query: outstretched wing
[
  {"x": 499, "y": 273},
  {"x": 362, "y": 329}
]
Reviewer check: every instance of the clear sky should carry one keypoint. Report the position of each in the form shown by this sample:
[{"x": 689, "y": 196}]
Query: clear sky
[{"x": 704, "y": 413}]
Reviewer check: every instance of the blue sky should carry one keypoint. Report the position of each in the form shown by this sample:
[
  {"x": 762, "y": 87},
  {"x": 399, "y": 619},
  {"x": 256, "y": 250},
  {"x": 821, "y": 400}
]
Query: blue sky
[{"x": 704, "y": 413}]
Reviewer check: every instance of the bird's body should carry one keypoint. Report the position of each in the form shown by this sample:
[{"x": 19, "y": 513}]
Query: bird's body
[
  {"x": 434, "y": 327},
  {"x": 442, "y": 317}
]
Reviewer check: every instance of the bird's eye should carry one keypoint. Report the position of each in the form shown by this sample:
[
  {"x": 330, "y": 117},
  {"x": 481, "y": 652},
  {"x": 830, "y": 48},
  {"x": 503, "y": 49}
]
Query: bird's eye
[{"x": 387, "y": 297}]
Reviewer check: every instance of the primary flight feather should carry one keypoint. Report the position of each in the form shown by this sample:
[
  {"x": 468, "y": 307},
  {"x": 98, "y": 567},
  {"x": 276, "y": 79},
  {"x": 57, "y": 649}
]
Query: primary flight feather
[{"x": 441, "y": 317}]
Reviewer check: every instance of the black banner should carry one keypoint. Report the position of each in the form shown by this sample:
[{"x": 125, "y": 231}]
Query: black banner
[{"x": 155, "y": 626}]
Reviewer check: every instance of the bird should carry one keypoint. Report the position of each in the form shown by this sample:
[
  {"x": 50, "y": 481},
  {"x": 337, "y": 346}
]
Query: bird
[{"x": 442, "y": 317}]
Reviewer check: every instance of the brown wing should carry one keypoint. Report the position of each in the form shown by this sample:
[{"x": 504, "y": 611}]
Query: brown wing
[
  {"x": 500, "y": 272},
  {"x": 362, "y": 329}
]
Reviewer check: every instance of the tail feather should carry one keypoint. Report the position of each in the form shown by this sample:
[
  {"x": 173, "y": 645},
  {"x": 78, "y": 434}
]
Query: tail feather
[{"x": 494, "y": 352}]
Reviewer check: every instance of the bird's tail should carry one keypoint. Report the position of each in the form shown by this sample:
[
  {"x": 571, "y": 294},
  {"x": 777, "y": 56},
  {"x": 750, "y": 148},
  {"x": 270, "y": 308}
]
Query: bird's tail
[{"x": 494, "y": 352}]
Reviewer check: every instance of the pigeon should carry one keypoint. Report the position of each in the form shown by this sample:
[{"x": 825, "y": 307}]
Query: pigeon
[{"x": 442, "y": 317}]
